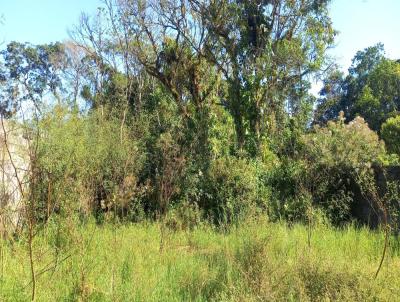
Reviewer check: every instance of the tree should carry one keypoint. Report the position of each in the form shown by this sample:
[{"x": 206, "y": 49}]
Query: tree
[
  {"x": 328, "y": 104},
  {"x": 370, "y": 90},
  {"x": 29, "y": 73},
  {"x": 383, "y": 84},
  {"x": 263, "y": 61},
  {"x": 263, "y": 48},
  {"x": 157, "y": 33}
]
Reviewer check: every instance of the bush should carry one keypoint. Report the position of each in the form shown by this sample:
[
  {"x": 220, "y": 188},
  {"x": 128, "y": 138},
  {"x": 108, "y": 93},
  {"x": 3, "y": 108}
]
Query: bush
[
  {"x": 85, "y": 165},
  {"x": 335, "y": 157},
  {"x": 352, "y": 145},
  {"x": 287, "y": 200},
  {"x": 390, "y": 133},
  {"x": 183, "y": 217},
  {"x": 234, "y": 189},
  {"x": 325, "y": 171}
]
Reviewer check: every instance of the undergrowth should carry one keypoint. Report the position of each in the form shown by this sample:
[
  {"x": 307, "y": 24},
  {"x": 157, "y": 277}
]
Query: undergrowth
[{"x": 255, "y": 261}]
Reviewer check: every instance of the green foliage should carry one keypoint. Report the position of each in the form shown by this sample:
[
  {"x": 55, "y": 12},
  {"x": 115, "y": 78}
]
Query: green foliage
[
  {"x": 184, "y": 216},
  {"x": 263, "y": 65},
  {"x": 371, "y": 89},
  {"x": 200, "y": 111},
  {"x": 198, "y": 114},
  {"x": 233, "y": 189},
  {"x": 85, "y": 165},
  {"x": 324, "y": 171},
  {"x": 380, "y": 96},
  {"x": 367, "y": 105},
  {"x": 329, "y": 102},
  {"x": 335, "y": 155},
  {"x": 354, "y": 145},
  {"x": 288, "y": 200},
  {"x": 30, "y": 71},
  {"x": 390, "y": 133},
  {"x": 222, "y": 133}
]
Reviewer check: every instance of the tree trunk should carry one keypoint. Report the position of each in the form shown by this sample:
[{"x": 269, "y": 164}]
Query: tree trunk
[{"x": 237, "y": 114}]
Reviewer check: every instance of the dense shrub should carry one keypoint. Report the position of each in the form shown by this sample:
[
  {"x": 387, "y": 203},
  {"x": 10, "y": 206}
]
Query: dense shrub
[
  {"x": 285, "y": 181},
  {"x": 233, "y": 188},
  {"x": 170, "y": 167},
  {"x": 390, "y": 133},
  {"x": 87, "y": 164},
  {"x": 90, "y": 164},
  {"x": 336, "y": 156},
  {"x": 325, "y": 171},
  {"x": 354, "y": 144}
]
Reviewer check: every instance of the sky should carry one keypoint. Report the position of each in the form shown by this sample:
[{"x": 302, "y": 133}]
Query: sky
[
  {"x": 41, "y": 21},
  {"x": 361, "y": 23}
]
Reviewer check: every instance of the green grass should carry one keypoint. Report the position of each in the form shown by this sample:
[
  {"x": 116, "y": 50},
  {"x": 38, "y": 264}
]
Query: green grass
[{"x": 257, "y": 261}]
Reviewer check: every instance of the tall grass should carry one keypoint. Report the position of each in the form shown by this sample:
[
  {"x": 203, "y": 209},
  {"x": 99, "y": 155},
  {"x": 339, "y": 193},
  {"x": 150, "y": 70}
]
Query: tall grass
[{"x": 256, "y": 261}]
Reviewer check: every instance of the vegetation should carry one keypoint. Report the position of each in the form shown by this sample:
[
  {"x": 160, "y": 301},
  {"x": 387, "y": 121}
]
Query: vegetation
[
  {"x": 390, "y": 133},
  {"x": 371, "y": 89},
  {"x": 173, "y": 152},
  {"x": 252, "y": 262}
]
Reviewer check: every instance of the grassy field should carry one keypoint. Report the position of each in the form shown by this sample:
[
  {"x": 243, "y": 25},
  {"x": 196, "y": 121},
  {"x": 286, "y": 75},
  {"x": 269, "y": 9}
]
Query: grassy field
[{"x": 256, "y": 261}]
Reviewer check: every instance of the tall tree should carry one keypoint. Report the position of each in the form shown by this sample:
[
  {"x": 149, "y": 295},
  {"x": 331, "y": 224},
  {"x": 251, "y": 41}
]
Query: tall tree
[
  {"x": 165, "y": 36},
  {"x": 260, "y": 48},
  {"x": 30, "y": 72},
  {"x": 371, "y": 89},
  {"x": 263, "y": 49},
  {"x": 330, "y": 96},
  {"x": 107, "y": 43}
]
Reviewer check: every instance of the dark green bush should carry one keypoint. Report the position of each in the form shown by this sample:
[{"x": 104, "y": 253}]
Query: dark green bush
[
  {"x": 390, "y": 133},
  {"x": 234, "y": 189}
]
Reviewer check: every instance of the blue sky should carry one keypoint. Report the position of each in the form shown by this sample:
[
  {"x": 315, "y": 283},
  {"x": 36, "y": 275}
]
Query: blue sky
[
  {"x": 41, "y": 21},
  {"x": 361, "y": 23}
]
